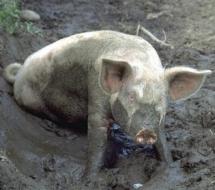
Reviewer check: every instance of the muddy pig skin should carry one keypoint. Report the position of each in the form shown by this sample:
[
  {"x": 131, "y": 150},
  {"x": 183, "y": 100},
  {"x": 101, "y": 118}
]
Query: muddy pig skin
[{"x": 97, "y": 75}]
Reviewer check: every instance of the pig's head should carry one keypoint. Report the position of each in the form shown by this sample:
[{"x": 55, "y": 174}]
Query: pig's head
[{"x": 139, "y": 93}]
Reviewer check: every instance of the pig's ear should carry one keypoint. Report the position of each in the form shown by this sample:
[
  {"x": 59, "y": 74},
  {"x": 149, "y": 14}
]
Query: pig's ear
[
  {"x": 113, "y": 74},
  {"x": 184, "y": 81}
]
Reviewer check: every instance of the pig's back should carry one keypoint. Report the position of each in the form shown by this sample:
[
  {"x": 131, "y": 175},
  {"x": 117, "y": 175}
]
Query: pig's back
[{"x": 68, "y": 60}]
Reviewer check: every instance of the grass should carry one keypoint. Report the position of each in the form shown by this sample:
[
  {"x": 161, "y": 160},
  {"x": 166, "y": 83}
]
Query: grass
[{"x": 10, "y": 20}]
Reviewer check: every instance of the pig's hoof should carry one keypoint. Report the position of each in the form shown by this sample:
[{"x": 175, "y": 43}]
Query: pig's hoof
[
  {"x": 146, "y": 136},
  {"x": 96, "y": 181}
]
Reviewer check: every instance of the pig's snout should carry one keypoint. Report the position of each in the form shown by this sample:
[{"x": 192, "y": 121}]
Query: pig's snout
[{"x": 146, "y": 136}]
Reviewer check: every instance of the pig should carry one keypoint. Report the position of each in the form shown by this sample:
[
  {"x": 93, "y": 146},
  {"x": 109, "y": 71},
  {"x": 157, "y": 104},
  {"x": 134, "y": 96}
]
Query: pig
[{"x": 99, "y": 75}]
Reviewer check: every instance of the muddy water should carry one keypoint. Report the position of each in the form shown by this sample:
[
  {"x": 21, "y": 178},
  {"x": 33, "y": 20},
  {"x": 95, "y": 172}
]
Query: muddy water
[
  {"x": 37, "y": 154},
  {"x": 38, "y": 147}
]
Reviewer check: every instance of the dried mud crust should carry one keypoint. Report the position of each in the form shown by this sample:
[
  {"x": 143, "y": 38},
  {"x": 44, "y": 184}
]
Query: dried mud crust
[{"x": 36, "y": 154}]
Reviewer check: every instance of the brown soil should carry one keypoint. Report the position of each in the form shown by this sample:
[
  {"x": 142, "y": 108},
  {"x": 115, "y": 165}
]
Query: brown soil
[{"x": 37, "y": 154}]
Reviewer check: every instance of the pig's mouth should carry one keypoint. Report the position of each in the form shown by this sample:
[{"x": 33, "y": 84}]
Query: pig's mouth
[
  {"x": 122, "y": 145},
  {"x": 146, "y": 136}
]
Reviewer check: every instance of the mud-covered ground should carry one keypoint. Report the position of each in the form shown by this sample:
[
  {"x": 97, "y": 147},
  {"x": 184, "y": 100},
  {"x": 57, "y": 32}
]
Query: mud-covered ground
[{"x": 37, "y": 154}]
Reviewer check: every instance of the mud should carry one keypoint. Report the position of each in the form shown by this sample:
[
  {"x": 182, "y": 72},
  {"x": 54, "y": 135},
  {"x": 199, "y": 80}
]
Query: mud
[{"x": 37, "y": 154}]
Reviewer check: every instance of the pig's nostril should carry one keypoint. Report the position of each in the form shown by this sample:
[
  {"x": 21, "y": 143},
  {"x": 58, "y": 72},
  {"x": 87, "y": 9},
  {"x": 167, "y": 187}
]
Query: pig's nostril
[
  {"x": 146, "y": 136},
  {"x": 139, "y": 140},
  {"x": 151, "y": 141}
]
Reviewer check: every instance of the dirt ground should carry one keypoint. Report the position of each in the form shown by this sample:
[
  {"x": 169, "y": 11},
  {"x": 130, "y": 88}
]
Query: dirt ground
[{"x": 37, "y": 154}]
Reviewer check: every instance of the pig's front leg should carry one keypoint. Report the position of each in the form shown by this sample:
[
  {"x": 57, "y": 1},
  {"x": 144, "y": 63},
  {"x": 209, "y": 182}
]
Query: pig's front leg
[
  {"x": 161, "y": 144},
  {"x": 97, "y": 138}
]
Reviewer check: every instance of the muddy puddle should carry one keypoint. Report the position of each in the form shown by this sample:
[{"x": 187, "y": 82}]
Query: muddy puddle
[{"x": 37, "y": 154}]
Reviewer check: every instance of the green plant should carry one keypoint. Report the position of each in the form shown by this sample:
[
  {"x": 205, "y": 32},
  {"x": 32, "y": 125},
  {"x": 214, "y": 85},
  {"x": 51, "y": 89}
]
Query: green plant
[
  {"x": 10, "y": 19},
  {"x": 31, "y": 28},
  {"x": 9, "y": 15}
]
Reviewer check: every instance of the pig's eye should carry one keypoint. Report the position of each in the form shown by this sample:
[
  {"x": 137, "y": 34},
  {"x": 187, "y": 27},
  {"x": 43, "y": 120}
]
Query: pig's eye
[{"x": 131, "y": 97}]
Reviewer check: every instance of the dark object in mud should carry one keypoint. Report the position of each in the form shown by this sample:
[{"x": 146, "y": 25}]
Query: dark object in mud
[{"x": 122, "y": 145}]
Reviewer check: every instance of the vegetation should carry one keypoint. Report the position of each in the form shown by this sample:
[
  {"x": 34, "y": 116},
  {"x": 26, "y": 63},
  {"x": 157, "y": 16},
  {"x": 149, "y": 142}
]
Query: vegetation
[{"x": 10, "y": 19}]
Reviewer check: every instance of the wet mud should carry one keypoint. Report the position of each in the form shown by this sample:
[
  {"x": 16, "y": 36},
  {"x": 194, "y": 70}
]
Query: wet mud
[{"x": 38, "y": 154}]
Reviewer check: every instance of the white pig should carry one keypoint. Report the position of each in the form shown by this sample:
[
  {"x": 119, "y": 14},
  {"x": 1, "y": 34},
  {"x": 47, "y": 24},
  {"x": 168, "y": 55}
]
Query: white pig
[{"x": 99, "y": 75}]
